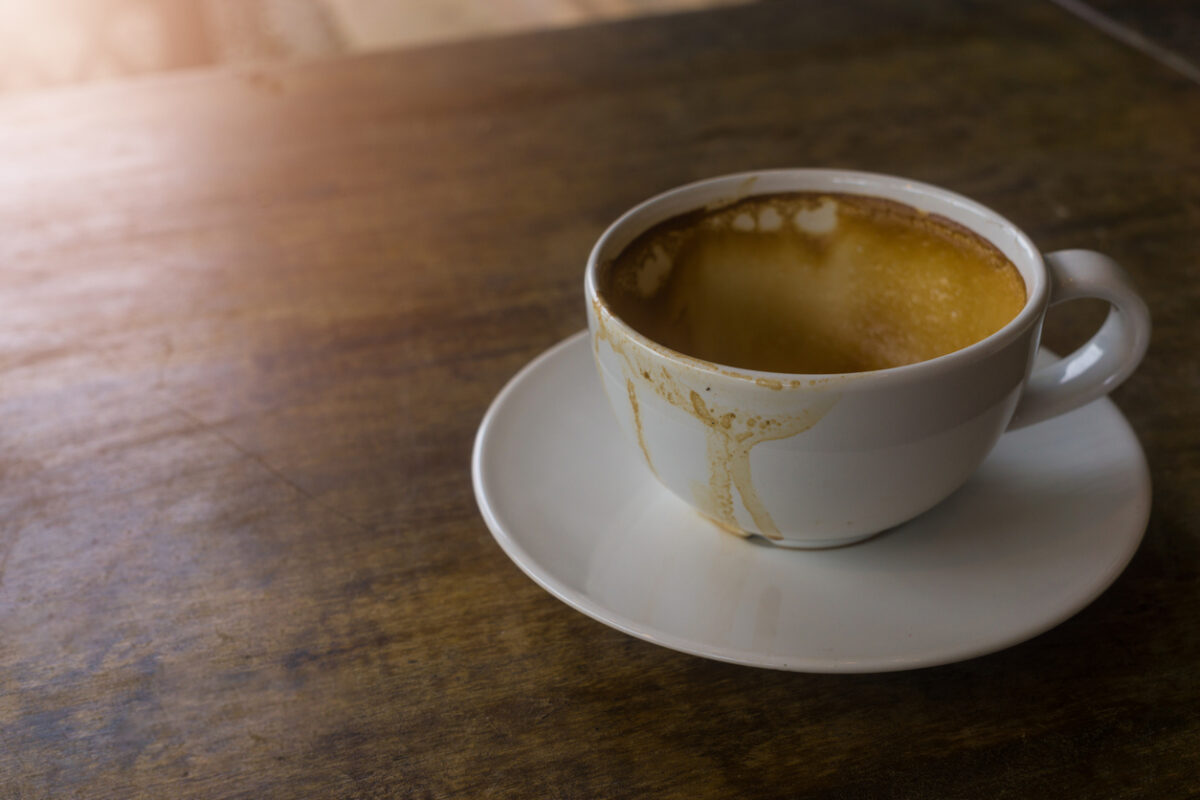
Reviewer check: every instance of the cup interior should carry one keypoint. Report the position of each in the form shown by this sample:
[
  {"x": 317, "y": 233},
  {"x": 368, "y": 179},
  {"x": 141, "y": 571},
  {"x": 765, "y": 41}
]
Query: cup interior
[{"x": 716, "y": 192}]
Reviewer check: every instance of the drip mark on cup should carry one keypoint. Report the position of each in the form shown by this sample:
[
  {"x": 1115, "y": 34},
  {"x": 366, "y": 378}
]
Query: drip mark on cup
[
  {"x": 728, "y": 450},
  {"x": 637, "y": 423},
  {"x": 730, "y": 434}
]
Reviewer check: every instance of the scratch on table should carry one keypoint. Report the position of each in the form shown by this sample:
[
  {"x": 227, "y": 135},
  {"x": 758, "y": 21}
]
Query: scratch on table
[
  {"x": 1131, "y": 38},
  {"x": 266, "y": 465},
  {"x": 168, "y": 352}
]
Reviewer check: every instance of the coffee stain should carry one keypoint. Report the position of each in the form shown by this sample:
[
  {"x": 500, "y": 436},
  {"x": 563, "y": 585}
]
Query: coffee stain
[
  {"x": 637, "y": 424},
  {"x": 743, "y": 190},
  {"x": 601, "y": 333},
  {"x": 730, "y": 434},
  {"x": 881, "y": 288},
  {"x": 735, "y": 530},
  {"x": 729, "y": 443}
]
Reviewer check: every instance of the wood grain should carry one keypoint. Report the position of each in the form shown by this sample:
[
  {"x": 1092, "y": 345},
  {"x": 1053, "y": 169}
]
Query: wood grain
[{"x": 251, "y": 320}]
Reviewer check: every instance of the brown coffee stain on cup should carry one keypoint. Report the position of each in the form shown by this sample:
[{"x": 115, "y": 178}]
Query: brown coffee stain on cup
[
  {"x": 637, "y": 424},
  {"x": 742, "y": 191},
  {"x": 730, "y": 440},
  {"x": 731, "y": 434},
  {"x": 732, "y": 529}
]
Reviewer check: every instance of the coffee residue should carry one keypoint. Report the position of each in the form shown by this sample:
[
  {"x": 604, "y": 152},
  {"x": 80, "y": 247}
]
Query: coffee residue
[
  {"x": 730, "y": 434},
  {"x": 812, "y": 284},
  {"x": 637, "y": 423}
]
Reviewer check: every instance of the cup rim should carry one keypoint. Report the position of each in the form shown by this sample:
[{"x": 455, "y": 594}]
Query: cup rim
[{"x": 843, "y": 182}]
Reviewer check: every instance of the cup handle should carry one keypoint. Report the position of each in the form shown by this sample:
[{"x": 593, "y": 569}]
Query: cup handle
[{"x": 1105, "y": 360}]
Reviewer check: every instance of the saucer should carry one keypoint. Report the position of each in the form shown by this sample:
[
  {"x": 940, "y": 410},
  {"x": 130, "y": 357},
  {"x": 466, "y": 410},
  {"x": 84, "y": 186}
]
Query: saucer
[{"x": 1048, "y": 522}]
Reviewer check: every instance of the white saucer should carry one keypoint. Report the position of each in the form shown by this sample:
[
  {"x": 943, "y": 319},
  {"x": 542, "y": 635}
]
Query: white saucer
[{"x": 1049, "y": 521}]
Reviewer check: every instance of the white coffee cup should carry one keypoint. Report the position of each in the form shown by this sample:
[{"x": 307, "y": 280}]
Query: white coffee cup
[{"x": 826, "y": 460}]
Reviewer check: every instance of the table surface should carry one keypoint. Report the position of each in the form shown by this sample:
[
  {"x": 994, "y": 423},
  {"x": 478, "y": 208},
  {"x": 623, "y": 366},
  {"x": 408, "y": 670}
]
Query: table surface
[{"x": 252, "y": 319}]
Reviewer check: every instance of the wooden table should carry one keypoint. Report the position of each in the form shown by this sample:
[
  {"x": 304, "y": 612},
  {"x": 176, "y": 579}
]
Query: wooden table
[{"x": 251, "y": 321}]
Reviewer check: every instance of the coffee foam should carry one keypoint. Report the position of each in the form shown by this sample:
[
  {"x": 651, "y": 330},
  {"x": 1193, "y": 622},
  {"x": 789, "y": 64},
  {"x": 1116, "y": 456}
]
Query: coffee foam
[{"x": 813, "y": 283}]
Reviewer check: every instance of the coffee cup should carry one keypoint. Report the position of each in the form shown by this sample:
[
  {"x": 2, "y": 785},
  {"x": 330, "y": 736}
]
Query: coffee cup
[{"x": 820, "y": 459}]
